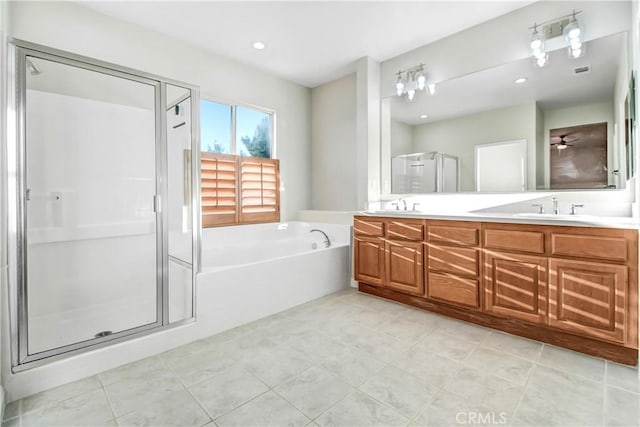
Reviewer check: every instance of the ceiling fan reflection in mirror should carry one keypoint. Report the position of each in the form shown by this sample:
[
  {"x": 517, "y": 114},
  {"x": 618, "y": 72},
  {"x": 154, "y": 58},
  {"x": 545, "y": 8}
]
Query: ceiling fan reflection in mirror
[{"x": 562, "y": 143}]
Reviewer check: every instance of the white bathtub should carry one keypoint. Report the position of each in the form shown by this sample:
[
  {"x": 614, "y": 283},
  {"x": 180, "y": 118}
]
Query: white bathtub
[{"x": 253, "y": 271}]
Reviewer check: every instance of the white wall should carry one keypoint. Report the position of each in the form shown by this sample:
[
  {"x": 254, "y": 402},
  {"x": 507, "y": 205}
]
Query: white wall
[
  {"x": 333, "y": 135},
  {"x": 70, "y": 27},
  {"x": 460, "y": 135},
  {"x": 402, "y": 137}
]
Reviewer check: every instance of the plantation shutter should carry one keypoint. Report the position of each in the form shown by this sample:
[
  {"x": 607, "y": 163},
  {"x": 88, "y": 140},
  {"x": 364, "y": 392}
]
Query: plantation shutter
[
  {"x": 259, "y": 190},
  {"x": 219, "y": 189}
]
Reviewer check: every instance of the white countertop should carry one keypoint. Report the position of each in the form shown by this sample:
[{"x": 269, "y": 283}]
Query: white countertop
[{"x": 523, "y": 218}]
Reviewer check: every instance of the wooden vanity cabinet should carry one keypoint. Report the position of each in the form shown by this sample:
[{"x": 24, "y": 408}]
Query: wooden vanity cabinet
[
  {"x": 515, "y": 281},
  {"x": 452, "y": 263},
  {"x": 368, "y": 250},
  {"x": 389, "y": 253},
  {"x": 576, "y": 287}
]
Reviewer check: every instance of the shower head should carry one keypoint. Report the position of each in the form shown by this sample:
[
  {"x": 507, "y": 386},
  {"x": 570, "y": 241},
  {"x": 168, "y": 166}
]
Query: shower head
[{"x": 33, "y": 69}]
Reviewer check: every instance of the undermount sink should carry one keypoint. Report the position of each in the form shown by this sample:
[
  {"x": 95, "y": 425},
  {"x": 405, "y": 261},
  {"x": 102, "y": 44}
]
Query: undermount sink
[{"x": 560, "y": 217}]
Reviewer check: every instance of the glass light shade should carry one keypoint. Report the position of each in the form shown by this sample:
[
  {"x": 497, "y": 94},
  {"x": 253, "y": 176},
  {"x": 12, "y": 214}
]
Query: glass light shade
[
  {"x": 431, "y": 88},
  {"x": 541, "y": 61},
  {"x": 575, "y": 44},
  {"x": 411, "y": 93},
  {"x": 576, "y": 53},
  {"x": 399, "y": 86},
  {"x": 421, "y": 80},
  {"x": 572, "y": 30}
]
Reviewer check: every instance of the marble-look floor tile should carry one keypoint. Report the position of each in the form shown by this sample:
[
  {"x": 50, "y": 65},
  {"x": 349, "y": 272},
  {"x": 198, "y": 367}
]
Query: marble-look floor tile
[
  {"x": 430, "y": 367},
  {"x": 231, "y": 334},
  {"x": 622, "y": 408},
  {"x": 448, "y": 409},
  {"x": 58, "y": 394},
  {"x": 359, "y": 410},
  {"x": 278, "y": 365},
  {"x": 404, "y": 330},
  {"x": 399, "y": 390},
  {"x": 186, "y": 350},
  {"x": 626, "y": 377},
  {"x": 352, "y": 365},
  {"x": 227, "y": 391},
  {"x": 176, "y": 409},
  {"x": 521, "y": 347},
  {"x": 87, "y": 409},
  {"x": 572, "y": 362},
  {"x": 252, "y": 342},
  {"x": 200, "y": 366},
  {"x": 465, "y": 331},
  {"x": 316, "y": 346},
  {"x": 381, "y": 346},
  {"x": 480, "y": 387},
  {"x": 557, "y": 398},
  {"x": 314, "y": 391},
  {"x": 449, "y": 346},
  {"x": 267, "y": 410},
  {"x": 131, "y": 370},
  {"x": 500, "y": 364},
  {"x": 127, "y": 395}
]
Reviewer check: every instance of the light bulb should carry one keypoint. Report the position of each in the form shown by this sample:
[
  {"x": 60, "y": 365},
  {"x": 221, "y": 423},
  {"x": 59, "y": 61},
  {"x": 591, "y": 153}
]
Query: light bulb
[
  {"x": 410, "y": 94},
  {"x": 421, "y": 79},
  {"x": 431, "y": 88},
  {"x": 561, "y": 147},
  {"x": 574, "y": 33},
  {"x": 575, "y": 44},
  {"x": 399, "y": 86},
  {"x": 576, "y": 53},
  {"x": 538, "y": 53},
  {"x": 541, "y": 61}
]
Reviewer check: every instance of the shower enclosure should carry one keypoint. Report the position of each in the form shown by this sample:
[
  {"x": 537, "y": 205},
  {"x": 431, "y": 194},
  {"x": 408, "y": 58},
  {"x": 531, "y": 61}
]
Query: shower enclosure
[
  {"x": 418, "y": 173},
  {"x": 103, "y": 202}
]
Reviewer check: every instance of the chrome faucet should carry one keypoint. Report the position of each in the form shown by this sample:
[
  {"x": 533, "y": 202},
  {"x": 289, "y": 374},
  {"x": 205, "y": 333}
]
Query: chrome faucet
[
  {"x": 404, "y": 204},
  {"x": 556, "y": 211},
  {"x": 574, "y": 206},
  {"x": 540, "y": 207},
  {"x": 327, "y": 242}
]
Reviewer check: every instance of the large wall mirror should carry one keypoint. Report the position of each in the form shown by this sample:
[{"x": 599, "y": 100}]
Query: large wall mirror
[{"x": 563, "y": 127}]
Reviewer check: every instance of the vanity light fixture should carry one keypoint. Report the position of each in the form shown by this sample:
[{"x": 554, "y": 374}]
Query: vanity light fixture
[
  {"x": 258, "y": 45},
  {"x": 566, "y": 26},
  {"x": 411, "y": 80}
]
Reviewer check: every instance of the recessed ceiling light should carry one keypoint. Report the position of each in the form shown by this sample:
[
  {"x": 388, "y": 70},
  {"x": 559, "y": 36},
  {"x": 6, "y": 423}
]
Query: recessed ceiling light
[
  {"x": 424, "y": 116},
  {"x": 258, "y": 45},
  {"x": 520, "y": 80}
]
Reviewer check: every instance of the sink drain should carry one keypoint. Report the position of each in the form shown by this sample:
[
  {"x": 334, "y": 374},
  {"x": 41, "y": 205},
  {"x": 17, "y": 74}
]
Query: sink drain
[{"x": 103, "y": 334}]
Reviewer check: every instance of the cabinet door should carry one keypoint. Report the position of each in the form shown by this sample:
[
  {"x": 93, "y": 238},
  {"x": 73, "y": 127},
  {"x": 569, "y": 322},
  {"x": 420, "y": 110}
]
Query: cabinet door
[
  {"x": 369, "y": 260},
  {"x": 403, "y": 263},
  {"x": 516, "y": 286},
  {"x": 588, "y": 298}
]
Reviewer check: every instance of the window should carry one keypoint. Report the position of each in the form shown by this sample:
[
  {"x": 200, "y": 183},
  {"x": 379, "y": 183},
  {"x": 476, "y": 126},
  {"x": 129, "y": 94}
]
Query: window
[
  {"x": 240, "y": 181},
  {"x": 252, "y": 134}
]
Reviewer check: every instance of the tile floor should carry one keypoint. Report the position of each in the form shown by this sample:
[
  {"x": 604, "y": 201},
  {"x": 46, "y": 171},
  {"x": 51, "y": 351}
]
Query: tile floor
[{"x": 348, "y": 359}]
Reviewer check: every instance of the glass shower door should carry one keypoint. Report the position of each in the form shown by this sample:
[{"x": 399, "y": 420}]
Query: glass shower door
[{"x": 92, "y": 231}]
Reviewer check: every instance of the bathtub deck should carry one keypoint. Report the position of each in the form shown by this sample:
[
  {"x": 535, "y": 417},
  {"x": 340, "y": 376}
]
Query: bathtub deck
[{"x": 347, "y": 359}]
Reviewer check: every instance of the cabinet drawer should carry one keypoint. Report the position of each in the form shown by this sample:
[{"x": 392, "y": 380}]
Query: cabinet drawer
[
  {"x": 455, "y": 260},
  {"x": 368, "y": 227},
  {"x": 598, "y": 247},
  {"x": 405, "y": 230},
  {"x": 453, "y": 289},
  {"x": 530, "y": 241},
  {"x": 454, "y": 234}
]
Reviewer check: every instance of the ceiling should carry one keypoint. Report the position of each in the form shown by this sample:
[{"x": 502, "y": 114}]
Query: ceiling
[
  {"x": 307, "y": 42},
  {"x": 551, "y": 87}
]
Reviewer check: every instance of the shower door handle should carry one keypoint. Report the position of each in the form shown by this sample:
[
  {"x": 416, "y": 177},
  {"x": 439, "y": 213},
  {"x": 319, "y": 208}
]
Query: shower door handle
[
  {"x": 27, "y": 194},
  {"x": 156, "y": 203}
]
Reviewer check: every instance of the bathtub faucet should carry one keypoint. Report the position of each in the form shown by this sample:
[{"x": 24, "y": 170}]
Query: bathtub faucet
[{"x": 327, "y": 242}]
